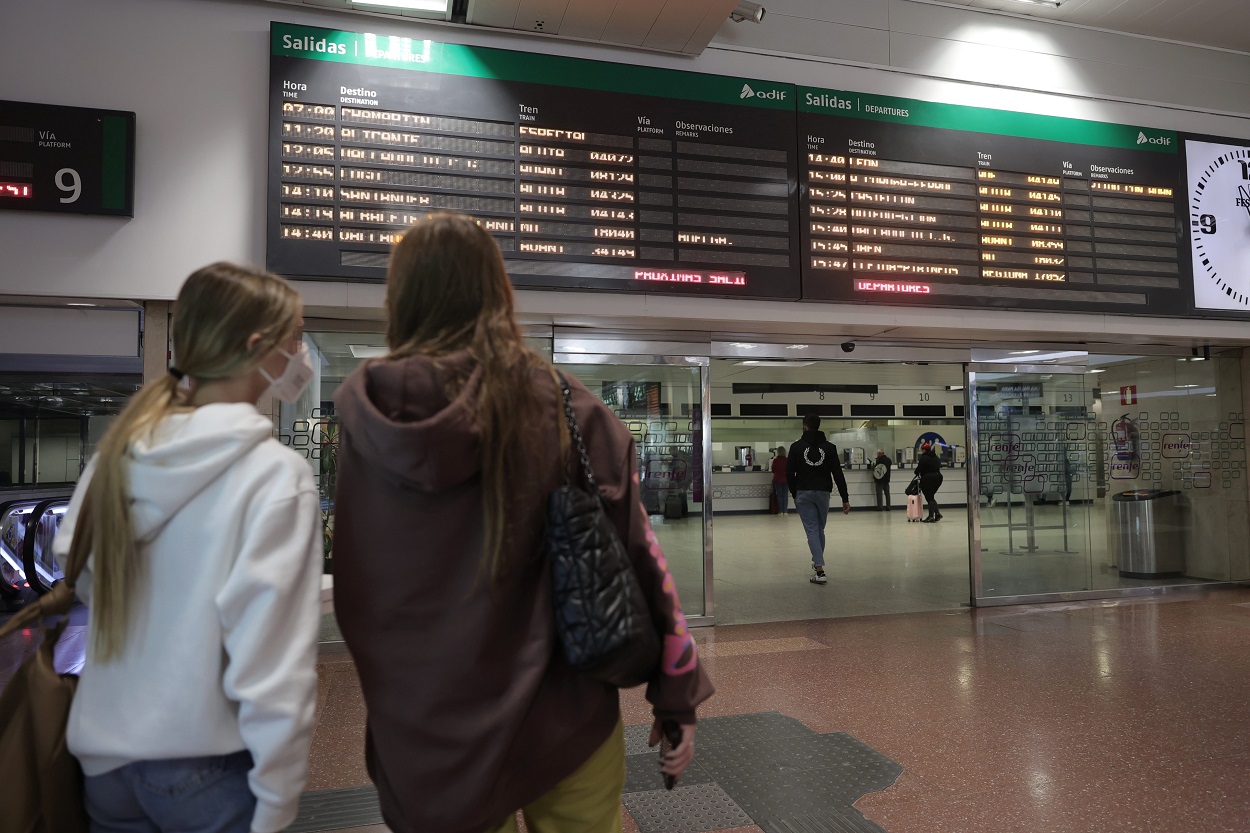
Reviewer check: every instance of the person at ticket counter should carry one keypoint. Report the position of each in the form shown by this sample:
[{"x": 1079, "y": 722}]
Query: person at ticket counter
[
  {"x": 929, "y": 470},
  {"x": 812, "y": 468},
  {"x": 780, "y": 487},
  {"x": 881, "y": 480},
  {"x": 450, "y": 447}
]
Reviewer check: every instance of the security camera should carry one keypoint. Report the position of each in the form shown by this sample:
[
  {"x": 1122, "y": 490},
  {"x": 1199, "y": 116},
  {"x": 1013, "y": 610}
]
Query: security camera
[
  {"x": 848, "y": 347},
  {"x": 745, "y": 12}
]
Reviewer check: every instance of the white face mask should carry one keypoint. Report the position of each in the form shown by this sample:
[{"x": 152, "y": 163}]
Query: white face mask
[{"x": 293, "y": 381}]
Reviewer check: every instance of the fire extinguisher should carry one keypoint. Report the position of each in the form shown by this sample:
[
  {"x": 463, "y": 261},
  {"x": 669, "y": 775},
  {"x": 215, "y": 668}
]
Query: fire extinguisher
[{"x": 1126, "y": 437}]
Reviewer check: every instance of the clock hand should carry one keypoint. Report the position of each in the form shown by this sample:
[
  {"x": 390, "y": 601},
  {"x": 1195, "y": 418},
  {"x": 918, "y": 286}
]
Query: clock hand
[{"x": 1243, "y": 197}]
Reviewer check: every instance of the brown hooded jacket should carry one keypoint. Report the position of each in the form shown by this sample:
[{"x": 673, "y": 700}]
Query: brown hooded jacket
[{"x": 472, "y": 712}]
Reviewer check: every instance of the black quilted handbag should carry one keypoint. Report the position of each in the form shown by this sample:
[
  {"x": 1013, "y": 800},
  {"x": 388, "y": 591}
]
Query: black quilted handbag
[{"x": 602, "y": 617}]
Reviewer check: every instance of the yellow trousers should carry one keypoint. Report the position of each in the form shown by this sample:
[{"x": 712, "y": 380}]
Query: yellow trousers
[{"x": 588, "y": 801}]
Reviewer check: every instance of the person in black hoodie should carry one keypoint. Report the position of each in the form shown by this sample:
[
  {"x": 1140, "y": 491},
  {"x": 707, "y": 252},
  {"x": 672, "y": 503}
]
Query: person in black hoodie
[
  {"x": 929, "y": 470},
  {"x": 812, "y": 467},
  {"x": 881, "y": 479}
]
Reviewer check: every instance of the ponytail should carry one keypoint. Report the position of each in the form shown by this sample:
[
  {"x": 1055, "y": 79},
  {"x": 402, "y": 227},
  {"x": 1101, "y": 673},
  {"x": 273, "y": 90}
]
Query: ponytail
[
  {"x": 104, "y": 525},
  {"x": 218, "y": 310}
]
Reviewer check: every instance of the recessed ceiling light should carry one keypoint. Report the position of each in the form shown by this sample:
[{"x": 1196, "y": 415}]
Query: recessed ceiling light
[
  {"x": 80, "y": 305},
  {"x": 774, "y": 363},
  {"x": 1024, "y": 352},
  {"x": 367, "y": 351},
  {"x": 439, "y": 6},
  {"x": 1054, "y": 4},
  {"x": 1097, "y": 370},
  {"x": 1185, "y": 386}
]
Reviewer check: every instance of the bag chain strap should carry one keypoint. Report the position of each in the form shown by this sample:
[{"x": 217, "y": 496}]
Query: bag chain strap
[{"x": 576, "y": 433}]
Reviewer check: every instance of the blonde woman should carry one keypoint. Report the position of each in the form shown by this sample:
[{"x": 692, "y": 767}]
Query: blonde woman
[
  {"x": 450, "y": 447},
  {"x": 194, "y": 709}
]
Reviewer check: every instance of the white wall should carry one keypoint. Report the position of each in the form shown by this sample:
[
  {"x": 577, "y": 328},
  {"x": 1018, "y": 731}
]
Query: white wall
[
  {"x": 196, "y": 73},
  {"x": 999, "y": 49}
]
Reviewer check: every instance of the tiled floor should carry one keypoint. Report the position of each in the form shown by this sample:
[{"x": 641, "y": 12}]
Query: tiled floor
[
  {"x": 879, "y": 563},
  {"x": 1099, "y": 716}
]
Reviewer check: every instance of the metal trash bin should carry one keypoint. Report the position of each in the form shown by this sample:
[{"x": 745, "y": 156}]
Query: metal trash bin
[{"x": 1150, "y": 533}]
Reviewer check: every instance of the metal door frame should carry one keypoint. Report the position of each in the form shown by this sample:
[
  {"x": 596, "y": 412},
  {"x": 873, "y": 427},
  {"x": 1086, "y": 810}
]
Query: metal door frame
[
  {"x": 643, "y": 353},
  {"x": 978, "y": 598}
]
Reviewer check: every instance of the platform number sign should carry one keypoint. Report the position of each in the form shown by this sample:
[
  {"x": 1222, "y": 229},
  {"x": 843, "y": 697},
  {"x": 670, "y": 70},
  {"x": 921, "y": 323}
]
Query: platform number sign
[{"x": 72, "y": 160}]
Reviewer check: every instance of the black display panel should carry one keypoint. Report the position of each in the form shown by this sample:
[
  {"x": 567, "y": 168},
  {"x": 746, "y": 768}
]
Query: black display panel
[
  {"x": 914, "y": 202},
  {"x": 589, "y": 175},
  {"x": 72, "y": 160}
]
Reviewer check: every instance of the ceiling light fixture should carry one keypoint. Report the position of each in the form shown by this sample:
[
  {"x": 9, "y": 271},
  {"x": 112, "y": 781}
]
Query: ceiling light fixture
[
  {"x": 367, "y": 351},
  {"x": 775, "y": 363},
  {"x": 1024, "y": 352},
  {"x": 1054, "y": 4},
  {"x": 1097, "y": 370},
  {"x": 438, "y": 6},
  {"x": 79, "y": 304},
  {"x": 749, "y": 13}
]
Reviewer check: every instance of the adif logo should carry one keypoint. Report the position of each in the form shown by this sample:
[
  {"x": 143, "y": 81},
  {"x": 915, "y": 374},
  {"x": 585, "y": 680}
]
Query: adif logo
[
  {"x": 1143, "y": 139},
  {"x": 774, "y": 95}
]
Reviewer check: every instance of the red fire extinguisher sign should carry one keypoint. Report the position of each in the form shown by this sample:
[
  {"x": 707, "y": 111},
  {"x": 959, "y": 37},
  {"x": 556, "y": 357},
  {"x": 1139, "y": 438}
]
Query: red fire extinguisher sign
[{"x": 1128, "y": 395}]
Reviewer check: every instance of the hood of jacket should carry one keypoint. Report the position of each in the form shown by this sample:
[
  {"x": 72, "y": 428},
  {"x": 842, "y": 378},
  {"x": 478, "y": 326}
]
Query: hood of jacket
[
  {"x": 814, "y": 438},
  {"x": 398, "y": 416},
  {"x": 184, "y": 455}
]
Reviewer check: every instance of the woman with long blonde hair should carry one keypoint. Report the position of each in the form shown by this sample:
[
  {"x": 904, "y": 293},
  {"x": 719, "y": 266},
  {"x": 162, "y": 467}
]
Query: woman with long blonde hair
[
  {"x": 449, "y": 449},
  {"x": 194, "y": 708}
]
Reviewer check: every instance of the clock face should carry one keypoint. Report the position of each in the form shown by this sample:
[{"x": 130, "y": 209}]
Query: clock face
[{"x": 1219, "y": 224}]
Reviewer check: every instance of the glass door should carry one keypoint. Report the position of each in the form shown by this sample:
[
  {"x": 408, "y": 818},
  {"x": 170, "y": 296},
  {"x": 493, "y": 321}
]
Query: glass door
[
  {"x": 1034, "y": 436},
  {"x": 663, "y": 401}
]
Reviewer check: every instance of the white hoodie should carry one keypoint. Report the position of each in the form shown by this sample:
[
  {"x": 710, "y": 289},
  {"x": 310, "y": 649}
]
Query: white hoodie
[{"x": 221, "y": 653}]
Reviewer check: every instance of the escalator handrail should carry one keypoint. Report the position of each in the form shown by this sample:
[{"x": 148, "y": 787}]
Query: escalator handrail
[
  {"x": 6, "y": 590},
  {"x": 28, "y": 545}
]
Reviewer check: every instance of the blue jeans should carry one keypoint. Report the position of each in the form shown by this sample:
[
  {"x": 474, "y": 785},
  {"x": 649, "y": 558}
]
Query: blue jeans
[
  {"x": 813, "y": 506},
  {"x": 783, "y": 496},
  {"x": 181, "y": 795}
]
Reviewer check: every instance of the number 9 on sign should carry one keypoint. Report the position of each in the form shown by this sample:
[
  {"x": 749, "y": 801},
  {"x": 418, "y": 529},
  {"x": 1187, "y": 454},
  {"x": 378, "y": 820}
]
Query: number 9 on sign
[{"x": 68, "y": 180}]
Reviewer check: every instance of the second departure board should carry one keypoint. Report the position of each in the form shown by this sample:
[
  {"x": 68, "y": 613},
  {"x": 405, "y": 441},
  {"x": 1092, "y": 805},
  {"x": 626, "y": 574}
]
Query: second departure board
[
  {"x": 912, "y": 201},
  {"x": 589, "y": 175}
]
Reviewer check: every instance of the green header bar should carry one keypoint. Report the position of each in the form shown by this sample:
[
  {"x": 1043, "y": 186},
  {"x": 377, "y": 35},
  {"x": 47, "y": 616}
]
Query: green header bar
[
  {"x": 982, "y": 120},
  {"x": 478, "y": 62}
]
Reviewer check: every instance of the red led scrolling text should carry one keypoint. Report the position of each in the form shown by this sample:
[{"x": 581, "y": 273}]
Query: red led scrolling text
[
  {"x": 893, "y": 288},
  {"x": 687, "y": 276},
  {"x": 20, "y": 190}
]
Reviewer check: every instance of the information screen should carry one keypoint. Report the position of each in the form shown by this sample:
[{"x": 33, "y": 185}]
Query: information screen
[
  {"x": 589, "y": 175},
  {"x": 71, "y": 160},
  {"x": 915, "y": 202}
]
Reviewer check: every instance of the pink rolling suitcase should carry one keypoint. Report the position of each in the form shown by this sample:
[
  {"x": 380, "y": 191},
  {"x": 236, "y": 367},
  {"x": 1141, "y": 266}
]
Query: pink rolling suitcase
[{"x": 914, "y": 508}]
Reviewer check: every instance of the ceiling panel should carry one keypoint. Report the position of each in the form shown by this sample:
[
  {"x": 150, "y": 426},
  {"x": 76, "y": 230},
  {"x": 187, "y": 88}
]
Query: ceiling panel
[
  {"x": 1220, "y": 23},
  {"x": 667, "y": 25}
]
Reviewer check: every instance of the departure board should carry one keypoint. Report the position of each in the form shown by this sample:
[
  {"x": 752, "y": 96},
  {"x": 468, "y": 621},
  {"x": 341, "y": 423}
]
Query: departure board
[
  {"x": 589, "y": 175},
  {"x": 915, "y": 202}
]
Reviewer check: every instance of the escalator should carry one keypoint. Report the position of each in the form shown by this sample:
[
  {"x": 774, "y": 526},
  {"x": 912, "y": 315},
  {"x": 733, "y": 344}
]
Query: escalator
[
  {"x": 42, "y": 571},
  {"x": 27, "y": 527}
]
